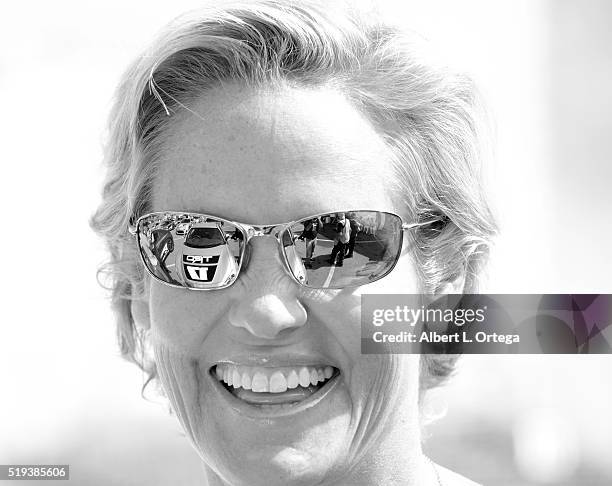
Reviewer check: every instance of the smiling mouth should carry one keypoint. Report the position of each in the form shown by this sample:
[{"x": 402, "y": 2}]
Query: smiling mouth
[{"x": 273, "y": 386}]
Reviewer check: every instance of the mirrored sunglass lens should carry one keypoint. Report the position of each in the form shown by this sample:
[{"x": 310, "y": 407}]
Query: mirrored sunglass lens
[
  {"x": 190, "y": 250},
  {"x": 339, "y": 250}
]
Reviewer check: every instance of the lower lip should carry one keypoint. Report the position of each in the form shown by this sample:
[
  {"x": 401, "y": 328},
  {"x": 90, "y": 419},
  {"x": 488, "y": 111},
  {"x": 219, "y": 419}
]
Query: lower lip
[{"x": 273, "y": 411}]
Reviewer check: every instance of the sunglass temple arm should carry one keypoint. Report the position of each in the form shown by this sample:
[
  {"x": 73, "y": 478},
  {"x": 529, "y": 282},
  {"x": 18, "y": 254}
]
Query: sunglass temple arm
[{"x": 407, "y": 226}]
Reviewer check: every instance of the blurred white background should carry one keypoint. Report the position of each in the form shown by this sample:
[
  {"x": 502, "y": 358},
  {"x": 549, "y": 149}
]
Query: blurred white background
[{"x": 546, "y": 69}]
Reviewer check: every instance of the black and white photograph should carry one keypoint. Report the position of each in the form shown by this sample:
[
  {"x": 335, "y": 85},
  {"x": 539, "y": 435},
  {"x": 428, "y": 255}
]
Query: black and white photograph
[{"x": 306, "y": 243}]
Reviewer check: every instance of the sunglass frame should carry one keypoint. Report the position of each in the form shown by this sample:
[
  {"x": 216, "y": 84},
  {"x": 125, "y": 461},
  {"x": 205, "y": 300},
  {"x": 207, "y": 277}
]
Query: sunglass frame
[{"x": 250, "y": 231}]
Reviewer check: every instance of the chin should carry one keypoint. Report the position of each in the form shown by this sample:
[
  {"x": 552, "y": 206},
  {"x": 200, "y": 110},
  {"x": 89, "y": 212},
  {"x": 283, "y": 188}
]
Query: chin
[{"x": 251, "y": 455}]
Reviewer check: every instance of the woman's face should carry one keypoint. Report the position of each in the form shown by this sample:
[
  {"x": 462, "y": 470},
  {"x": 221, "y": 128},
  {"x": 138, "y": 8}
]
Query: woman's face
[{"x": 264, "y": 158}]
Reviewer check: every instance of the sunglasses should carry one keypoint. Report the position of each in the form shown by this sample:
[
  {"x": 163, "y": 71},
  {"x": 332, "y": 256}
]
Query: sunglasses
[{"x": 325, "y": 251}]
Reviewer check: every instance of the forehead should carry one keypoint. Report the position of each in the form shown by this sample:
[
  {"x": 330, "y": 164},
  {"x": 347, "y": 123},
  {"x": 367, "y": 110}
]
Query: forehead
[{"x": 264, "y": 157}]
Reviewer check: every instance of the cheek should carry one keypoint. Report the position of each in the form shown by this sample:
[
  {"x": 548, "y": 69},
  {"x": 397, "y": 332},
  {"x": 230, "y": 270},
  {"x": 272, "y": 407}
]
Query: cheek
[
  {"x": 182, "y": 319},
  {"x": 378, "y": 384},
  {"x": 342, "y": 311},
  {"x": 179, "y": 329}
]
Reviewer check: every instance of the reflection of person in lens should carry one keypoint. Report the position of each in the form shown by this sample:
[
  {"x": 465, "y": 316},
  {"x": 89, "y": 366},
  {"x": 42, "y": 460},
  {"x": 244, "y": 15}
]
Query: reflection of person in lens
[
  {"x": 355, "y": 228},
  {"x": 269, "y": 112},
  {"x": 311, "y": 229},
  {"x": 341, "y": 240}
]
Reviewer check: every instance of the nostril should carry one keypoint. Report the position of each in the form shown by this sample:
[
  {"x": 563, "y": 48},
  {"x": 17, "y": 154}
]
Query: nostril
[{"x": 286, "y": 332}]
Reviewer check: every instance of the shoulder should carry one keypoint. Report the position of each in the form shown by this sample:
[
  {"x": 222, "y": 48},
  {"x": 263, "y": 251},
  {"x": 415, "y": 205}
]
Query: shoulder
[{"x": 450, "y": 478}]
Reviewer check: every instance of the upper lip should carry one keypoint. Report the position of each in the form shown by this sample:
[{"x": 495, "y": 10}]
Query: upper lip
[{"x": 276, "y": 360}]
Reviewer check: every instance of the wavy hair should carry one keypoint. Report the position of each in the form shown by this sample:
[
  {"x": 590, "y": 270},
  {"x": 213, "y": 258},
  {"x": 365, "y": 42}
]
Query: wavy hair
[{"x": 428, "y": 114}]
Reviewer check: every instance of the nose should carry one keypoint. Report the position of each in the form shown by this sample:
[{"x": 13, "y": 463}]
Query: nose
[{"x": 267, "y": 301}]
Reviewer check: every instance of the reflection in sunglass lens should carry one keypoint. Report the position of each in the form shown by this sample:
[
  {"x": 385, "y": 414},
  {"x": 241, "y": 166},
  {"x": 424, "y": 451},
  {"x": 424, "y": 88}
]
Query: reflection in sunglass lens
[
  {"x": 339, "y": 250},
  {"x": 190, "y": 250}
]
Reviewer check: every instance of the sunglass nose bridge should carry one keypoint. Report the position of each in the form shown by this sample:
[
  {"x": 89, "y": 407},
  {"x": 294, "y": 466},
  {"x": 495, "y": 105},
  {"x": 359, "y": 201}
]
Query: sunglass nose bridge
[{"x": 273, "y": 229}]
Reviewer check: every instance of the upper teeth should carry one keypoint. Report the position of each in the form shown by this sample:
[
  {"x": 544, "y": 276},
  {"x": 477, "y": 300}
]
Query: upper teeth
[{"x": 272, "y": 380}]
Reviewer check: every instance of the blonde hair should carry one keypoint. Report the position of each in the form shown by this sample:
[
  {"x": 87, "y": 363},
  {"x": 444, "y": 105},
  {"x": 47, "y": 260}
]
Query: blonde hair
[{"x": 429, "y": 115}]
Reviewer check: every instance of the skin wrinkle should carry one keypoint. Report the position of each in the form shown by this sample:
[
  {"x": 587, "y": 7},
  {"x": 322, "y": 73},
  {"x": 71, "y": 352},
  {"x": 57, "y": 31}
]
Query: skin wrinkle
[
  {"x": 366, "y": 416},
  {"x": 182, "y": 394},
  {"x": 376, "y": 424},
  {"x": 195, "y": 370},
  {"x": 171, "y": 383}
]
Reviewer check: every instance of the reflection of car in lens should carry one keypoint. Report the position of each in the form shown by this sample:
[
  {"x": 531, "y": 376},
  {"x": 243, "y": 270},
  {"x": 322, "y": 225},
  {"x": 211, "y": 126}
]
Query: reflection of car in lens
[
  {"x": 294, "y": 260},
  {"x": 182, "y": 228},
  {"x": 206, "y": 257}
]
